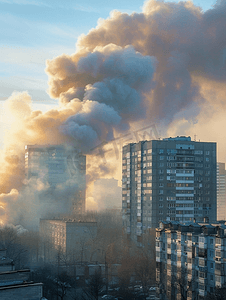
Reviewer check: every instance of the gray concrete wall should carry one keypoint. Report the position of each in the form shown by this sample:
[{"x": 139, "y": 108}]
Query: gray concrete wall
[
  {"x": 14, "y": 275},
  {"x": 30, "y": 292}
]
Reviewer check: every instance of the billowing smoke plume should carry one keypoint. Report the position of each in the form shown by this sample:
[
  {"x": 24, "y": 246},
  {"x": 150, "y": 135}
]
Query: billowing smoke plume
[
  {"x": 165, "y": 65},
  {"x": 111, "y": 82}
]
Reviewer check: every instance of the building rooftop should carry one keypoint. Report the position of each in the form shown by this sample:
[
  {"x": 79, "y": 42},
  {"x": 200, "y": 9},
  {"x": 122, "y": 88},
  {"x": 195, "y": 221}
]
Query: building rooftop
[
  {"x": 65, "y": 220},
  {"x": 13, "y": 286},
  {"x": 206, "y": 228},
  {"x": 178, "y": 138}
]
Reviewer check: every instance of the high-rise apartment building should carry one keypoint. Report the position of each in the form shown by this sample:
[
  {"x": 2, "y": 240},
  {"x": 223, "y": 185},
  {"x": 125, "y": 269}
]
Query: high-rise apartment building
[
  {"x": 190, "y": 259},
  {"x": 57, "y": 165},
  {"x": 172, "y": 179},
  {"x": 221, "y": 191}
]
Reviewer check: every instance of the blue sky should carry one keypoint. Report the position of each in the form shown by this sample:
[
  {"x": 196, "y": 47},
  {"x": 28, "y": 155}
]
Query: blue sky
[{"x": 33, "y": 31}]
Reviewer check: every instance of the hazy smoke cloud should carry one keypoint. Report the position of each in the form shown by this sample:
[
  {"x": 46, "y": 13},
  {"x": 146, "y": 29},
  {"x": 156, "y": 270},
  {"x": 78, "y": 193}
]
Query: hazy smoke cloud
[
  {"x": 34, "y": 201},
  {"x": 107, "y": 194},
  {"x": 165, "y": 65}
]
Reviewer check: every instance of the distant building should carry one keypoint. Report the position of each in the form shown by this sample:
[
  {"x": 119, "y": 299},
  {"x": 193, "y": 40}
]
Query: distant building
[
  {"x": 57, "y": 165},
  {"x": 171, "y": 179},
  {"x": 190, "y": 259},
  {"x": 68, "y": 236},
  {"x": 221, "y": 191}
]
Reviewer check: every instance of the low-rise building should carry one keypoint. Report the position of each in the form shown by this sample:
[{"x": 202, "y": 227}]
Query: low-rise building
[
  {"x": 190, "y": 259},
  {"x": 67, "y": 235},
  {"x": 16, "y": 285}
]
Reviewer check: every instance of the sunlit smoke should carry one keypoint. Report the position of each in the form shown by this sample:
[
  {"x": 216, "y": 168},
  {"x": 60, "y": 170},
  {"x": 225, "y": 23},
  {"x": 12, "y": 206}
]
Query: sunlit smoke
[{"x": 165, "y": 65}]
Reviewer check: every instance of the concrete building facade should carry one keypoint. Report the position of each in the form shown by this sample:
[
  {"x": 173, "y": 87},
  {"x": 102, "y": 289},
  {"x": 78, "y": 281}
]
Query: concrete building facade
[
  {"x": 57, "y": 165},
  {"x": 171, "y": 179},
  {"x": 69, "y": 236},
  {"x": 190, "y": 259},
  {"x": 17, "y": 285},
  {"x": 29, "y": 291},
  {"x": 221, "y": 191}
]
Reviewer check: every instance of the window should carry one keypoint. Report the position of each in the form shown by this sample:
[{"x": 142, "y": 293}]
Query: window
[
  {"x": 202, "y": 275},
  {"x": 211, "y": 255}
]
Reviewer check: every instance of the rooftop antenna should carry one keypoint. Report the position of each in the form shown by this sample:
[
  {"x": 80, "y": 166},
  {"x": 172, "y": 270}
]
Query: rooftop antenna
[{"x": 195, "y": 137}]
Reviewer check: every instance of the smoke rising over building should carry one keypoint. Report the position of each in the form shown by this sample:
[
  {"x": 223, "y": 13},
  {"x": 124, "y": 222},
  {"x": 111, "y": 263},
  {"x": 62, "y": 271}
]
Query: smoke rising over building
[
  {"x": 55, "y": 165},
  {"x": 153, "y": 66},
  {"x": 107, "y": 194}
]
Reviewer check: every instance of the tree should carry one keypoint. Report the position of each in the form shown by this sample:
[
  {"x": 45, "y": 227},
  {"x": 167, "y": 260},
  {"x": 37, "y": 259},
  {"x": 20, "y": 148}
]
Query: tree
[
  {"x": 31, "y": 242},
  {"x": 54, "y": 284},
  {"x": 144, "y": 271},
  {"x": 15, "y": 249},
  {"x": 109, "y": 235},
  {"x": 178, "y": 283},
  {"x": 183, "y": 283},
  {"x": 63, "y": 283},
  {"x": 162, "y": 280},
  {"x": 44, "y": 275},
  {"x": 217, "y": 294},
  {"x": 94, "y": 286}
]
